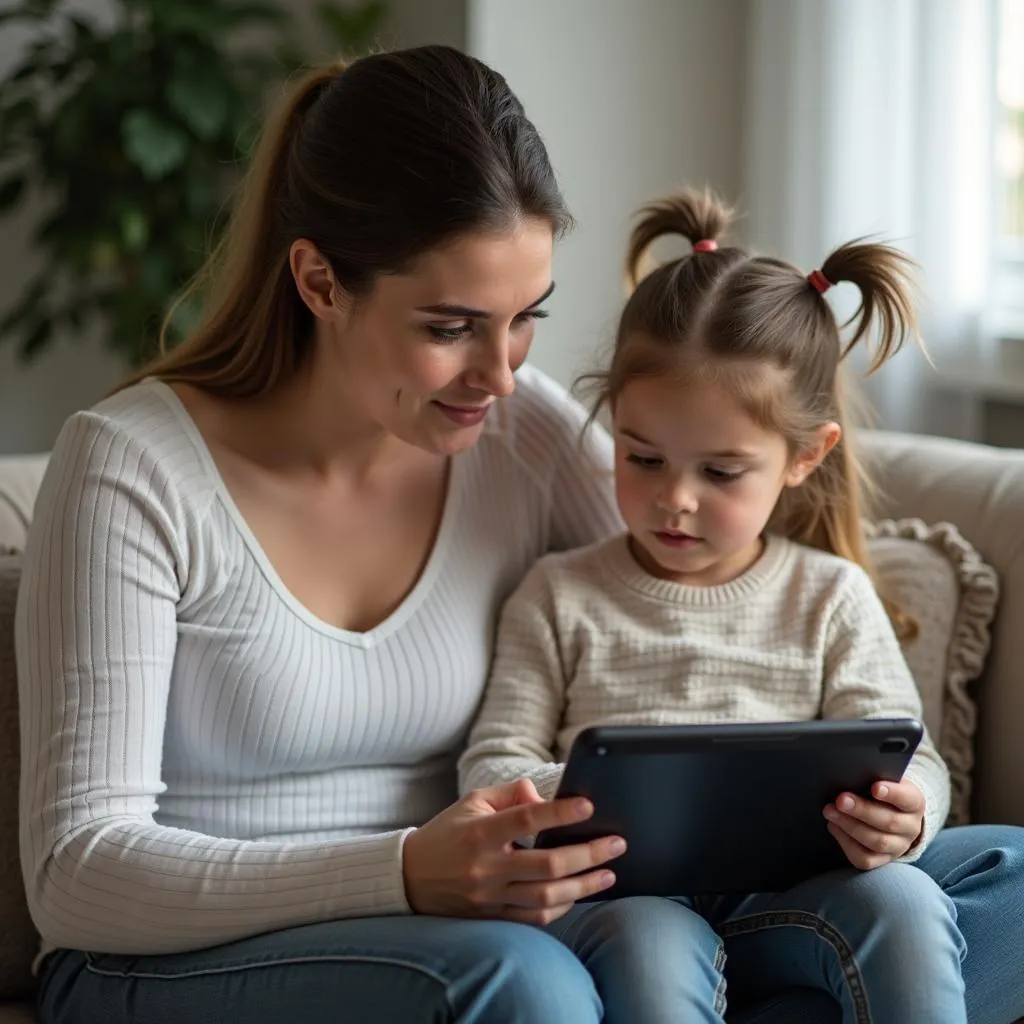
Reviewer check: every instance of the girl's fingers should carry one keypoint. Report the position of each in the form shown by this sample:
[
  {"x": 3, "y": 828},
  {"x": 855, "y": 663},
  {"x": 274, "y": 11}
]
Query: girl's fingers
[
  {"x": 859, "y": 856},
  {"x": 888, "y": 843}
]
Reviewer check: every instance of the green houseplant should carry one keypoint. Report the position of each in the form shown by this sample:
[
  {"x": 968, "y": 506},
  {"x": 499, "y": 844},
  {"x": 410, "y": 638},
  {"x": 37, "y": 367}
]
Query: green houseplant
[{"x": 133, "y": 132}]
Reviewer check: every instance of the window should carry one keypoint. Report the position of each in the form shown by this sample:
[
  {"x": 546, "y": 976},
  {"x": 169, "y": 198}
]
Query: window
[{"x": 1009, "y": 167}]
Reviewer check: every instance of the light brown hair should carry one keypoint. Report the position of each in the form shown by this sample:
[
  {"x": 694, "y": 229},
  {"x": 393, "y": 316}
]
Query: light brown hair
[
  {"x": 376, "y": 164},
  {"x": 725, "y": 314}
]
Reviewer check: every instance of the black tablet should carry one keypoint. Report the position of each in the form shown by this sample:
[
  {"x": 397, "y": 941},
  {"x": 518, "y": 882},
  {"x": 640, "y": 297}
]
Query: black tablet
[{"x": 725, "y": 808}]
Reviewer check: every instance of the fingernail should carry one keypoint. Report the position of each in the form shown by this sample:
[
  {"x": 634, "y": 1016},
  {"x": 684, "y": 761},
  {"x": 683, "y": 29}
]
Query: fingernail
[
  {"x": 617, "y": 846},
  {"x": 830, "y": 814},
  {"x": 845, "y": 803},
  {"x": 883, "y": 792},
  {"x": 581, "y": 807},
  {"x": 607, "y": 880}
]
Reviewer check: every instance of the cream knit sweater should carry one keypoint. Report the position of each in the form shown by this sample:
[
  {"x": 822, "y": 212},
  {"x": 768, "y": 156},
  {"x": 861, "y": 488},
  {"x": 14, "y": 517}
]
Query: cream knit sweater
[{"x": 589, "y": 638}]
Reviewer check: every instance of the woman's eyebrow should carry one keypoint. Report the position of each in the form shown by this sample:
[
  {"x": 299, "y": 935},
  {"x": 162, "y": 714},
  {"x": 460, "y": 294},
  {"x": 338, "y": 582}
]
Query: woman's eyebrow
[{"x": 449, "y": 309}]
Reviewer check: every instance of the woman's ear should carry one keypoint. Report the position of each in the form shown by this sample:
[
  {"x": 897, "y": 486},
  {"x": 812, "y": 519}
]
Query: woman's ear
[
  {"x": 807, "y": 461},
  {"x": 315, "y": 280}
]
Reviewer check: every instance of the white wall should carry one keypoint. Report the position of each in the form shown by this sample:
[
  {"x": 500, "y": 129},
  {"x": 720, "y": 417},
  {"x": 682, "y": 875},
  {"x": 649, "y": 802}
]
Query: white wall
[{"x": 632, "y": 97}]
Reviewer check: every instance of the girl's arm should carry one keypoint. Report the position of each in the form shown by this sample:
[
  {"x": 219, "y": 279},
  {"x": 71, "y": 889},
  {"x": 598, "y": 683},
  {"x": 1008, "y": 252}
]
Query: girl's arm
[
  {"x": 516, "y": 729},
  {"x": 866, "y": 676}
]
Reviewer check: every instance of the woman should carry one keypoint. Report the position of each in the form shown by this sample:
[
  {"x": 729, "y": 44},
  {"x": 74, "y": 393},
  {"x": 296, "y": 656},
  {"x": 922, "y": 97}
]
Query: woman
[{"x": 260, "y": 595}]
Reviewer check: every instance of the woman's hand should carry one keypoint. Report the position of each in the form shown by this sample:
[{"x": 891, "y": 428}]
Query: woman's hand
[
  {"x": 463, "y": 863},
  {"x": 874, "y": 832}
]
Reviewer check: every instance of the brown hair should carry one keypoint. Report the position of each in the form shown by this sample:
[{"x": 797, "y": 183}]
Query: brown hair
[
  {"x": 724, "y": 314},
  {"x": 375, "y": 164}
]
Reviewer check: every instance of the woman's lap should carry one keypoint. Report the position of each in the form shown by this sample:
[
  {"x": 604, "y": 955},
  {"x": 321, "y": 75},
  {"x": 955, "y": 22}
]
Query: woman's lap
[
  {"x": 422, "y": 970},
  {"x": 416, "y": 969}
]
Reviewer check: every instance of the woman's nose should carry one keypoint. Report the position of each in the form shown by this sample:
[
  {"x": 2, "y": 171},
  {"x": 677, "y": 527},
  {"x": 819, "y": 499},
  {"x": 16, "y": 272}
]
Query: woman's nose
[{"x": 492, "y": 371}]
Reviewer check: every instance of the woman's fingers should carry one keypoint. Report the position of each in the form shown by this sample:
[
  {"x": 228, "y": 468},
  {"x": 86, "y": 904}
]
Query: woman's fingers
[
  {"x": 540, "y": 865},
  {"x": 564, "y": 891},
  {"x": 501, "y": 798},
  {"x": 541, "y": 916},
  {"x": 528, "y": 819}
]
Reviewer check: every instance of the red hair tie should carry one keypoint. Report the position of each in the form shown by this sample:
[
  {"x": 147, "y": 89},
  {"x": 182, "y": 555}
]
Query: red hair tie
[
  {"x": 705, "y": 245},
  {"x": 819, "y": 282}
]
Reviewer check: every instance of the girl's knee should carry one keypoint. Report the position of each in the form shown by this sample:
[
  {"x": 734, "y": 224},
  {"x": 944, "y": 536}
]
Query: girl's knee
[
  {"x": 526, "y": 975},
  {"x": 651, "y": 927},
  {"x": 898, "y": 904}
]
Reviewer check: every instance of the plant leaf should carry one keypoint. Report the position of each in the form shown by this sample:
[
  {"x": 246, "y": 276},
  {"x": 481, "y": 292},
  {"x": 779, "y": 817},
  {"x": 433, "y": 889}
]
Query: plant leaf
[
  {"x": 352, "y": 29},
  {"x": 254, "y": 11},
  {"x": 134, "y": 229},
  {"x": 199, "y": 99},
  {"x": 152, "y": 143},
  {"x": 36, "y": 339},
  {"x": 10, "y": 192}
]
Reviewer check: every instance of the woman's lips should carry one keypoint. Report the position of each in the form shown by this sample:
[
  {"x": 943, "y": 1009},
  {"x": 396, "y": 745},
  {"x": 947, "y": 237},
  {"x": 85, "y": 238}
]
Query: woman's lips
[{"x": 464, "y": 415}]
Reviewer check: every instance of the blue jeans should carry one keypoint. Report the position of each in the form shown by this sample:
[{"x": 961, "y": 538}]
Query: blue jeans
[{"x": 792, "y": 958}]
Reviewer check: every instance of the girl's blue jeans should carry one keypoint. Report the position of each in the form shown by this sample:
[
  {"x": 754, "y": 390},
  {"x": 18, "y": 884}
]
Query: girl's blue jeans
[{"x": 941, "y": 941}]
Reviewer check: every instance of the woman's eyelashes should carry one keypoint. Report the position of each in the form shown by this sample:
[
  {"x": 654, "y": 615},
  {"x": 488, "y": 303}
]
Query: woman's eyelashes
[{"x": 459, "y": 331}]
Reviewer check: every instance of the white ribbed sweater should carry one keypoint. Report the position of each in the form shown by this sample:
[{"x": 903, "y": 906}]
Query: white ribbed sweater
[
  {"x": 204, "y": 759},
  {"x": 590, "y": 638}
]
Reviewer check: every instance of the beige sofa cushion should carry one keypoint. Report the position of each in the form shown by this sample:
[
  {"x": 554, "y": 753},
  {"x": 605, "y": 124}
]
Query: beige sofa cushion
[
  {"x": 982, "y": 491},
  {"x": 18, "y": 940},
  {"x": 20, "y": 476},
  {"x": 938, "y": 578}
]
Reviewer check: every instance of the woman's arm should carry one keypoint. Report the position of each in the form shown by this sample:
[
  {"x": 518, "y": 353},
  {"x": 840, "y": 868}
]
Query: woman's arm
[
  {"x": 866, "y": 676},
  {"x": 108, "y": 562},
  {"x": 516, "y": 728}
]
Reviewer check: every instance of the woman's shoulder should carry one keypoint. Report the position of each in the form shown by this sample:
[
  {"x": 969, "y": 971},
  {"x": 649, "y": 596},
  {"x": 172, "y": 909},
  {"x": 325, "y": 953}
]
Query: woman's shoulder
[
  {"x": 540, "y": 399},
  {"x": 142, "y": 436},
  {"x": 542, "y": 425}
]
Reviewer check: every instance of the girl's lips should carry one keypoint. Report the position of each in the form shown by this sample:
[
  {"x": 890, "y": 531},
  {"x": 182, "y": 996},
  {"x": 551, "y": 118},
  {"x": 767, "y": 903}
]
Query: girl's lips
[
  {"x": 464, "y": 415},
  {"x": 676, "y": 540}
]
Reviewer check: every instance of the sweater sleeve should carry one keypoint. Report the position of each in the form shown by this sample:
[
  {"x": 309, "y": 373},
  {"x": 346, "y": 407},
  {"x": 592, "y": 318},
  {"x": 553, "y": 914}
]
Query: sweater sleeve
[
  {"x": 515, "y": 731},
  {"x": 866, "y": 676},
  {"x": 106, "y": 567}
]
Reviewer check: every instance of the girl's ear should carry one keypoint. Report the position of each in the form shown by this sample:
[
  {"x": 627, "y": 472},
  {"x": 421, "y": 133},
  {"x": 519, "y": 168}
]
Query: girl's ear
[{"x": 807, "y": 461}]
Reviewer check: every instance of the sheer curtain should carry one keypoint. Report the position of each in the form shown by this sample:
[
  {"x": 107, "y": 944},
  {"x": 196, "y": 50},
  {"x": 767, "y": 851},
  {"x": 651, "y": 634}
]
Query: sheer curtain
[{"x": 873, "y": 117}]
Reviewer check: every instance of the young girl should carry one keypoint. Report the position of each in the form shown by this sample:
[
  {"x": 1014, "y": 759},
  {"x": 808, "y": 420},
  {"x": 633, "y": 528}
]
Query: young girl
[{"x": 740, "y": 593}]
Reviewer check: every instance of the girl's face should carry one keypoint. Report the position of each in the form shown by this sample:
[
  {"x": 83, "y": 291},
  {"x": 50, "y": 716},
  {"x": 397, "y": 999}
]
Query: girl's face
[
  {"x": 697, "y": 479},
  {"x": 428, "y": 352}
]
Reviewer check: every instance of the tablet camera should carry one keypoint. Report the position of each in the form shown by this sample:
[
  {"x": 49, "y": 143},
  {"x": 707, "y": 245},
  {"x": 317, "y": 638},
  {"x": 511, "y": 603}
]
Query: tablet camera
[
  {"x": 895, "y": 745},
  {"x": 600, "y": 751}
]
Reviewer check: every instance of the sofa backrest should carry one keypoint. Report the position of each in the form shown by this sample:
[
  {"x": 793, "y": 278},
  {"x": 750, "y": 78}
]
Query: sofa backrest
[{"x": 981, "y": 491}]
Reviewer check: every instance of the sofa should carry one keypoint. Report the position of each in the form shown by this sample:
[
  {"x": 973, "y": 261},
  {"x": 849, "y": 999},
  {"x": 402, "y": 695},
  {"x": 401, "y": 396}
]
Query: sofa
[{"x": 979, "y": 489}]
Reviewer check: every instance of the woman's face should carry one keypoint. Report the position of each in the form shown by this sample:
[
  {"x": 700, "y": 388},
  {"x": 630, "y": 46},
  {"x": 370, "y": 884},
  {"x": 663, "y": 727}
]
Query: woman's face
[{"x": 428, "y": 352}]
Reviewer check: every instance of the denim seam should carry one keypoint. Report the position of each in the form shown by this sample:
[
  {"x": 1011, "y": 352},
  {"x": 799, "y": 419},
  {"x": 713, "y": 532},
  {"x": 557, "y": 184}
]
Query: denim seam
[
  {"x": 94, "y": 968},
  {"x": 826, "y": 931},
  {"x": 720, "y": 990}
]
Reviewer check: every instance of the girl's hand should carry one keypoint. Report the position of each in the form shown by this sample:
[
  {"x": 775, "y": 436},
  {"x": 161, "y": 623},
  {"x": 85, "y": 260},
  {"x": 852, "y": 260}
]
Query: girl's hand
[
  {"x": 463, "y": 863},
  {"x": 874, "y": 832}
]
